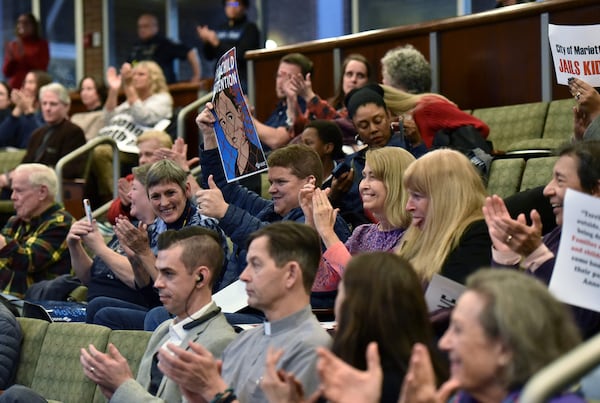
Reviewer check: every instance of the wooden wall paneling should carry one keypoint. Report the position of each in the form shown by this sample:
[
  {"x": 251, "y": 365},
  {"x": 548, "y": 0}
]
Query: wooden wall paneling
[
  {"x": 493, "y": 64},
  {"x": 265, "y": 70}
]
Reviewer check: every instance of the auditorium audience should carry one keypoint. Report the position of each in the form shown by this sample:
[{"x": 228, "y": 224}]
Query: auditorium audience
[
  {"x": 170, "y": 197},
  {"x": 26, "y": 115},
  {"x": 57, "y": 137},
  {"x": 240, "y": 211},
  {"x": 447, "y": 235},
  {"x": 379, "y": 301},
  {"x": 27, "y": 52},
  {"x": 381, "y": 193},
  {"x": 188, "y": 263},
  {"x": 282, "y": 263},
  {"x": 368, "y": 110},
  {"x": 494, "y": 344},
  {"x": 516, "y": 243}
]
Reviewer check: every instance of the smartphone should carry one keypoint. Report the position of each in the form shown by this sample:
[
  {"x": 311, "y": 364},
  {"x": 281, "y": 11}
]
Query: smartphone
[
  {"x": 340, "y": 169},
  {"x": 88, "y": 210}
]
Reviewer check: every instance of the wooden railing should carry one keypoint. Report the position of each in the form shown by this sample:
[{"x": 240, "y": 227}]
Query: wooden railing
[{"x": 499, "y": 57}]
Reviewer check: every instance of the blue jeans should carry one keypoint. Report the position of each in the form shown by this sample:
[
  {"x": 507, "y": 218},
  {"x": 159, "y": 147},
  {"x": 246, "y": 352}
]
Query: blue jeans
[
  {"x": 116, "y": 314},
  {"x": 155, "y": 317}
]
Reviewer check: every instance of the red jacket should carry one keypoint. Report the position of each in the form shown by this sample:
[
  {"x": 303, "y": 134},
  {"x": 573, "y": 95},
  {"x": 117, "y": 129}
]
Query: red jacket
[
  {"x": 433, "y": 113},
  {"x": 23, "y": 55}
]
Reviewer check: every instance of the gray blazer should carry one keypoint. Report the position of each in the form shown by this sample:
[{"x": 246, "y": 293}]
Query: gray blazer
[{"x": 214, "y": 334}]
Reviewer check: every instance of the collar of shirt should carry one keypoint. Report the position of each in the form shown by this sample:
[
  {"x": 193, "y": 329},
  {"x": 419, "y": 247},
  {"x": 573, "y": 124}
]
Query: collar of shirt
[{"x": 176, "y": 331}]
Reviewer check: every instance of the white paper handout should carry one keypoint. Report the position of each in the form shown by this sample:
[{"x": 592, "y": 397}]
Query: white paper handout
[
  {"x": 576, "y": 276},
  {"x": 576, "y": 52},
  {"x": 442, "y": 293},
  {"x": 232, "y": 298}
]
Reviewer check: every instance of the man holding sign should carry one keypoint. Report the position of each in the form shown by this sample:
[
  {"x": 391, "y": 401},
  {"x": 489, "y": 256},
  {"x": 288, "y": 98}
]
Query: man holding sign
[{"x": 516, "y": 243}]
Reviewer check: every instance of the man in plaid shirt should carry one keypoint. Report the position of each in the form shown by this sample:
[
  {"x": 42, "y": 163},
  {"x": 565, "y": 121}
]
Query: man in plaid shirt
[{"x": 33, "y": 242}]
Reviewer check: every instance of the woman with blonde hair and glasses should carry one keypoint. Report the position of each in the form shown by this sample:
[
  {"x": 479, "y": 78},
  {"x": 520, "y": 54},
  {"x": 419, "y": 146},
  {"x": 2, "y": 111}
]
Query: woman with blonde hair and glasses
[{"x": 448, "y": 234}]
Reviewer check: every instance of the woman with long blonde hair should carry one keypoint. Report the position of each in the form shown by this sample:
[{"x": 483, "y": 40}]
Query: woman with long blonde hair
[{"x": 448, "y": 234}]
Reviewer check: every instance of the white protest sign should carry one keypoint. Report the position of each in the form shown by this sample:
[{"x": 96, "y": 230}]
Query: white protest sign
[
  {"x": 576, "y": 276},
  {"x": 232, "y": 298},
  {"x": 442, "y": 293},
  {"x": 576, "y": 52}
]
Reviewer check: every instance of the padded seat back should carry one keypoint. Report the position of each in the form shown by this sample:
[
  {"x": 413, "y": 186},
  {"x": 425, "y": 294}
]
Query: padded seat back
[
  {"x": 58, "y": 374},
  {"x": 538, "y": 172},
  {"x": 559, "y": 120},
  {"x": 509, "y": 124},
  {"x": 505, "y": 176},
  {"x": 34, "y": 331},
  {"x": 132, "y": 345},
  {"x": 8, "y": 161}
]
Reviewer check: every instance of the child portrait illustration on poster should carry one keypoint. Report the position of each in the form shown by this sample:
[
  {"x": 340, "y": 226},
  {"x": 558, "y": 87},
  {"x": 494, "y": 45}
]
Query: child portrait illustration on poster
[{"x": 241, "y": 152}]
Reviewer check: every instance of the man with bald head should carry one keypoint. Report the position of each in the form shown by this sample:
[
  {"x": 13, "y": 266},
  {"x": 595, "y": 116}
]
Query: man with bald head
[{"x": 154, "y": 46}]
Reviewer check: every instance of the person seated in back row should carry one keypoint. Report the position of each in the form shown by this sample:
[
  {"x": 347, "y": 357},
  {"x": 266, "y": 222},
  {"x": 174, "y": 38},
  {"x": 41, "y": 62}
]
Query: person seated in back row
[
  {"x": 57, "y": 137},
  {"x": 26, "y": 115},
  {"x": 278, "y": 130}
]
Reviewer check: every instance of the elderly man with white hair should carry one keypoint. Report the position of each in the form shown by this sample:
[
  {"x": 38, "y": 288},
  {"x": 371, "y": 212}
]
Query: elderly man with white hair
[{"x": 33, "y": 243}]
